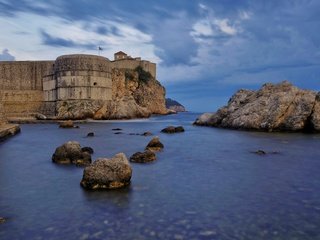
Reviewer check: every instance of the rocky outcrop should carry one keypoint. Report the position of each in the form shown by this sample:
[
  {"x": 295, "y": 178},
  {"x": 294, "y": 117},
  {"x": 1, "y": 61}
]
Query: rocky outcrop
[
  {"x": 71, "y": 153},
  {"x": 174, "y": 105},
  {"x": 135, "y": 94},
  {"x": 155, "y": 145},
  {"x": 275, "y": 107},
  {"x": 107, "y": 173},
  {"x": 66, "y": 124},
  {"x": 143, "y": 157},
  {"x": 172, "y": 129}
]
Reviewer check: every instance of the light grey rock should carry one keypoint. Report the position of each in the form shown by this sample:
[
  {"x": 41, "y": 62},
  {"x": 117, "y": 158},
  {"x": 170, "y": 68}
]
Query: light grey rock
[{"x": 275, "y": 107}]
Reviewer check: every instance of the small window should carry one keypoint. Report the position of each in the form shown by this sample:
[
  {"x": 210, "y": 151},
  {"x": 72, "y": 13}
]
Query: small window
[{"x": 95, "y": 84}]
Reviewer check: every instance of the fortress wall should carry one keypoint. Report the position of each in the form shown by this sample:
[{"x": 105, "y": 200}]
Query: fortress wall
[
  {"x": 133, "y": 64},
  {"x": 2, "y": 113},
  {"x": 21, "y": 85},
  {"x": 21, "y": 102},
  {"x": 24, "y": 75}
]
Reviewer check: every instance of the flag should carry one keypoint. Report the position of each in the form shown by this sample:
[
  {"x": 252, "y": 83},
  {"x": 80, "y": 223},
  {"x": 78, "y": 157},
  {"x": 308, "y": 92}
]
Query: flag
[{"x": 100, "y": 48}]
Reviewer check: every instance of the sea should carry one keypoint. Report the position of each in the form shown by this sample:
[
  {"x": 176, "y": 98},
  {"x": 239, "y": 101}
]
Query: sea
[{"x": 207, "y": 183}]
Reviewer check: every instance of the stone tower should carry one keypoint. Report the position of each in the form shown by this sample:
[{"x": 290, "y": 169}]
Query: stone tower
[{"x": 78, "y": 77}]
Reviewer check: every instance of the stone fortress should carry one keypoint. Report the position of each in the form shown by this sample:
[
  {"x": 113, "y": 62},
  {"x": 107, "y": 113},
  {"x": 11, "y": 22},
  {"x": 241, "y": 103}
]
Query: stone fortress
[{"x": 30, "y": 87}]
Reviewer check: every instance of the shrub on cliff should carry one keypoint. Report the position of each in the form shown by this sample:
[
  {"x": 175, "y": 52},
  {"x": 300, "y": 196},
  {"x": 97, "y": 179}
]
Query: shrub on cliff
[{"x": 144, "y": 76}]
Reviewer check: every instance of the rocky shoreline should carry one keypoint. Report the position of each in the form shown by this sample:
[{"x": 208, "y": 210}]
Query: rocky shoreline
[
  {"x": 8, "y": 130},
  {"x": 274, "y": 107}
]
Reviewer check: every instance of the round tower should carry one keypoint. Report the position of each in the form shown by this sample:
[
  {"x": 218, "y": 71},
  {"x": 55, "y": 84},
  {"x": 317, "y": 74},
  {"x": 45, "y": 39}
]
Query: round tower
[{"x": 82, "y": 77}]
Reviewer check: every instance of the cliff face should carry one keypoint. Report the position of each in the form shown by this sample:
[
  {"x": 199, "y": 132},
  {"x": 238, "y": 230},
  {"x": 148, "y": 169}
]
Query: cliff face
[
  {"x": 279, "y": 107},
  {"x": 135, "y": 94},
  {"x": 174, "y": 105}
]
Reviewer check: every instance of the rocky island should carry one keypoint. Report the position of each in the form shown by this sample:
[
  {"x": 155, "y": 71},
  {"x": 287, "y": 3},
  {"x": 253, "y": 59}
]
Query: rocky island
[
  {"x": 174, "y": 105},
  {"x": 274, "y": 107}
]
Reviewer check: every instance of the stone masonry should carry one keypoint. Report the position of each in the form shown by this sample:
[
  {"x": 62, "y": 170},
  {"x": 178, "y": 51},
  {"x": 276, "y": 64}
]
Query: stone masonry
[{"x": 30, "y": 87}]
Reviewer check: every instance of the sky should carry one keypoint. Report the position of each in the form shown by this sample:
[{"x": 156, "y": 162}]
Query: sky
[{"x": 205, "y": 50}]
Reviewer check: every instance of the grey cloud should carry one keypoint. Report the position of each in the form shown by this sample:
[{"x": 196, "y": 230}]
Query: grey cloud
[
  {"x": 53, "y": 41},
  {"x": 6, "y": 56}
]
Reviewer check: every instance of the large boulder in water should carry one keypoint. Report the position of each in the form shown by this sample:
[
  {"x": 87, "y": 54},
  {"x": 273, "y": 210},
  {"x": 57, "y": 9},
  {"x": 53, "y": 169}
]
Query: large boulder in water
[
  {"x": 275, "y": 107},
  {"x": 71, "y": 153},
  {"x": 107, "y": 173}
]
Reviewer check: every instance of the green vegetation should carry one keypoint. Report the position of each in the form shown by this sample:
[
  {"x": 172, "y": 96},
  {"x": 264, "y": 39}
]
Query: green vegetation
[
  {"x": 129, "y": 75},
  {"x": 144, "y": 76}
]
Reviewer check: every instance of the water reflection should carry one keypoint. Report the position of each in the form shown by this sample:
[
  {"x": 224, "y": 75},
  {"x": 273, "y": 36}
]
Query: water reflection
[
  {"x": 115, "y": 198},
  {"x": 205, "y": 184}
]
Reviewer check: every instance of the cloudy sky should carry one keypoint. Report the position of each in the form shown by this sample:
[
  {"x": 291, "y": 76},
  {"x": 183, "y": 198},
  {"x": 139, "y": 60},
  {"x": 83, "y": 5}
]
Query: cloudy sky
[{"x": 205, "y": 49}]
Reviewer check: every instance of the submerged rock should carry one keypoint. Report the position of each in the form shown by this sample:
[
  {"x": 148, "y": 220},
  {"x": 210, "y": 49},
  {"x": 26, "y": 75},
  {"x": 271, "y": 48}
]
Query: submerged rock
[
  {"x": 260, "y": 152},
  {"x": 143, "y": 157},
  {"x": 172, "y": 129},
  {"x": 275, "y": 107},
  {"x": 90, "y": 134},
  {"x": 155, "y": 145},
  {"x": 107, "y": 173},
  {"x": 87, "y": 149},
  {"x": 147, "y": 134},
  {"x": 2, "y": 220},
  {"x": 71, "y": 153},
  {"x": 66, "y": 124}
]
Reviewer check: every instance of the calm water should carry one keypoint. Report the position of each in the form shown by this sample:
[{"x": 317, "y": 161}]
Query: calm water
[{"x": 206, "y": 184}]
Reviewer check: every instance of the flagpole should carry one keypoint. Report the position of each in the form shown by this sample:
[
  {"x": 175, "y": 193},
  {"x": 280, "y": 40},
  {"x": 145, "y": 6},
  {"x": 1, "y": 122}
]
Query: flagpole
[{"x": 99, "y": 49}]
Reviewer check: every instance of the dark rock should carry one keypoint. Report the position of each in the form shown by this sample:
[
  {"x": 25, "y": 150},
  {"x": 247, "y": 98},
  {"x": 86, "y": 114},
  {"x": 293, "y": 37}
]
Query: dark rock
[
  {"x": 179, "y": 129},
  {"x": 116, "y": 129},
  {"x": 87, "y": 149},
  {"x": 260, "y": 152},
  {"x": 143, "y": 157},
  {"x": 155, "y": 145},
  {"x": 147, "y": 134},
  {"x": 76, "y": 126},
  {"x": 118, "y": 133},
  {"x": 90, "y": 134},
  {"x": 107, "y": 173},
  {"x": 71, "y": 153},
  {"x": 66, "y": 124},
  {"x": 172, "y": 129}
]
